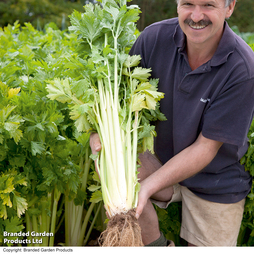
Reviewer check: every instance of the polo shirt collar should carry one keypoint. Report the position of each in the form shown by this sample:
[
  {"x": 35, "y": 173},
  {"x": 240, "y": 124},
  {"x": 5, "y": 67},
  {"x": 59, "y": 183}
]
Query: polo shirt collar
[{"x": 226, "y": 45}]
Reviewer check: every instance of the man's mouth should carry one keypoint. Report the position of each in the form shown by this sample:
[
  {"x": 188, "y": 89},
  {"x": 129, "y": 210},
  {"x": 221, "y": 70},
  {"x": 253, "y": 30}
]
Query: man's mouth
[{"x": 197, "y": 25}]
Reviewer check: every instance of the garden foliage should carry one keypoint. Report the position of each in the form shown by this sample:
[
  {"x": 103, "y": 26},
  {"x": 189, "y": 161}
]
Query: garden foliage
[{"x": 44, "y": 162}]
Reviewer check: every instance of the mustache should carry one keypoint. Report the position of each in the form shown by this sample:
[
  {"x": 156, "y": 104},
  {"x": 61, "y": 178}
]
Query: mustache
[{"x": 202, "y": 22}]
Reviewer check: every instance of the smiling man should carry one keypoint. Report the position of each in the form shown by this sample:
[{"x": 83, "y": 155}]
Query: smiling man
[{"x": 207, "y": 74}]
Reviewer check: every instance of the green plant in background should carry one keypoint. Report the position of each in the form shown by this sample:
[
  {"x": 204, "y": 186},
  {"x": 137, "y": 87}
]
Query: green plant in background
[
  {"x": 248, "y": 37},
  {"x": 246, "y": 235},
  {"x": 77, "y": 229},
  {"x": 12, "y": 204},
  {"x": 43, "y": 162},
  {"x": 38, "y": 13}
]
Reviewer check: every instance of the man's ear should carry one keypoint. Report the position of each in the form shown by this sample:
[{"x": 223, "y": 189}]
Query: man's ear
[{"x": 230, "y": 9}]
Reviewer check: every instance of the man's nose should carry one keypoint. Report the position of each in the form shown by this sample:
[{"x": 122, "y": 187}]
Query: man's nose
[{"x": 197, "y": 14}]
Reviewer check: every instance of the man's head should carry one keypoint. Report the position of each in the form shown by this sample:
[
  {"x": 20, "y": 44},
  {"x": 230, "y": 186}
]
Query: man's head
[
  {"x": 202, "y": 21},
  {"x": 227, "y": 2}
]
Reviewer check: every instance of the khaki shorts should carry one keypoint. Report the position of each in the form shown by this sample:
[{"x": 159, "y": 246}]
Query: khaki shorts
[{"x": 206, "y": 223}]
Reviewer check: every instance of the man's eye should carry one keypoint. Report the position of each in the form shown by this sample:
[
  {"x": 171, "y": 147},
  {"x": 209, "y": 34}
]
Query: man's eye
[{"x": 208, "y": 5}]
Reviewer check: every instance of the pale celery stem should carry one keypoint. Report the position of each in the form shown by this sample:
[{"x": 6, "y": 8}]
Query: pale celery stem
[
  {"x": 77, "y": 220},
  {"x": 28, "y": 228},
  {"x": 67, "y": 219},
  {"x": 92, "y": 224},
  {"x": 101, "y": 161},
  {"x": 115, "y": 74},
  {"x": 104, "y": 122},
  {"x": 117, "y": 130},
  {"x": 86, "y": 220},
  {"x": 121, "y": 178},
  {"x": 87, "y": 165},
  {"x": 77, "y": 212},
  {"x": 88, "y": 162},
  {"x": 48, "y": 217},
  {"x": 108, "y": 200},
  {"x": 111, "y": 150},
  {"x": 57, "y": 195},
  {"x": 59, "y": 222},
  {"x": 128, "y": 164},
  {"x": 129, "y": 155},
  {"x": 72, "y": 220},
  {"x": 44, "y": 222},
  {"x": 35, "y": 227},
  {"x": 135, "y": 143},
  {"x": 108, "y": 66}
]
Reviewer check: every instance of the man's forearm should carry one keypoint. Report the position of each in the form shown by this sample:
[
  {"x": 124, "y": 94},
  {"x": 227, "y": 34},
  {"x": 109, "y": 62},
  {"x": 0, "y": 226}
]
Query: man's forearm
[{"x": 183, "y": 165}]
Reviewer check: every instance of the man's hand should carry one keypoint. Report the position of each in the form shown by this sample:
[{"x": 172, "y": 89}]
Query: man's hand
[
  {"x": 95, "y": 143},
  {"x": 142, "y": 201}
]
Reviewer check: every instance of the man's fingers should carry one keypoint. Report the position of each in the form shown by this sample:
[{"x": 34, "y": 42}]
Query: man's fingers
[
  {"x": 140, "y": 207},
  {"x": 139, "y": 210},
  {"x": 95, "y": 143}
]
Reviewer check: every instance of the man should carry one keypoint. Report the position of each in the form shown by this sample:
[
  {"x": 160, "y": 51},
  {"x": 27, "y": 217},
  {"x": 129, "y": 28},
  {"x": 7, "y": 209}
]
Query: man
[{"x": 207, "y": 75}]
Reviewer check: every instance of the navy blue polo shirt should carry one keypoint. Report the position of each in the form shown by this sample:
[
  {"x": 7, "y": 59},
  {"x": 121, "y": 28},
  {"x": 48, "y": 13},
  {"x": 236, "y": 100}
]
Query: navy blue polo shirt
[{"x": 216, "y": 99}]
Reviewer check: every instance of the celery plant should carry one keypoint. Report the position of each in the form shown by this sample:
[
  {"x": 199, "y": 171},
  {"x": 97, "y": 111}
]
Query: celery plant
[{"x": 114, "y": 96}]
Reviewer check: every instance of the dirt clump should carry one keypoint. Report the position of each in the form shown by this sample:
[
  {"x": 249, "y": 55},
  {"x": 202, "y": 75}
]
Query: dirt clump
[{"x": 122, "y": 230}]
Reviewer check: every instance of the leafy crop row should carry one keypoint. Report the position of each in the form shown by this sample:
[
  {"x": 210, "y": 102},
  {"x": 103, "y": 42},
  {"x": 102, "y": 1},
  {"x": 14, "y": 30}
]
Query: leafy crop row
[{"x": 44, "y": 162}]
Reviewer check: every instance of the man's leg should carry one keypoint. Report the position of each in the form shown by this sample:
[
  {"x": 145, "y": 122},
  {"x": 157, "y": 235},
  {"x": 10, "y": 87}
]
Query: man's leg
[
  {"x": 149, "y": 224},
  {"x": 148, "y": 220},
  {"x": 206, "y": 223}
]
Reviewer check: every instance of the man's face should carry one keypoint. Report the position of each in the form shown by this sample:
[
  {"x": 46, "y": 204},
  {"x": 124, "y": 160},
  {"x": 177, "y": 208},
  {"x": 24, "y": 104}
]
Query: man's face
[{"x": 202, "y": 20}]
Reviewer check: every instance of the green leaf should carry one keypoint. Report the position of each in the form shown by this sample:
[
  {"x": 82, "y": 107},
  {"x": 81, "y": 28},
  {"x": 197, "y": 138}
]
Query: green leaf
[
  {"x": 96, "y": 177},
  {"x": 93, "y": 188},
  {"x": 18, "y": 161},
  {"x": 3, "y": 211},
  {"x": 146, "y": 131},
  {"x": 81, "y": 122},
  {"x": 141, "y": 74},
  {"x": 83, "y": 139},
  {"x": 20, "y": 203},
  {"x": 88, "y": 23},
  {"x": 81, "y": 196},
  {"x": 139, "y": 102},
  {"x": 37, "y": 148},
  {"x": 5, "y": 113},
  {"x": 94, "y": 156},
  {"x": 13, "y": 225},
  {"x": 59, "y": 90},
  {"x": 6, "y": 199},
  {"x": 96, "y": 197},
  {"x": 132, "y": 61}
]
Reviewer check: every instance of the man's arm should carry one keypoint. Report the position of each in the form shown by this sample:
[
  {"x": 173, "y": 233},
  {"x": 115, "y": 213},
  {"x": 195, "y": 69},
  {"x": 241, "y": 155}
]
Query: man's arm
[{"x": 185, "y": 164}]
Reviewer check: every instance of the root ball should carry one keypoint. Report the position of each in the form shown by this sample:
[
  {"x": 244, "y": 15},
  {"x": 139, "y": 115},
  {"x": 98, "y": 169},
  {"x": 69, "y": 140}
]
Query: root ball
[{"x": 122, "y": 230}]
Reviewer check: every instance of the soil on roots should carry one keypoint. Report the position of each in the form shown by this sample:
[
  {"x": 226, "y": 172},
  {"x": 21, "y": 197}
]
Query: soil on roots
[{"x": 122, "y": 230}]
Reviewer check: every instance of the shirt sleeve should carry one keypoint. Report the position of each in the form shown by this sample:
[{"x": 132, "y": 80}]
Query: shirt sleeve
[{"x": 229, "y": 116}]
